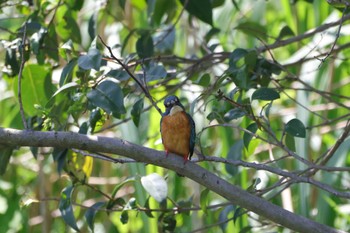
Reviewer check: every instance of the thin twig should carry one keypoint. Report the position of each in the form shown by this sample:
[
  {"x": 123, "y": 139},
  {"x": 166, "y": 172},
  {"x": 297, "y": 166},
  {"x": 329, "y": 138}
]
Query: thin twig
[
  {"x": 282, "y": 43},
  {"x": 131, "y": 75},
  {"x": 105, "y": 157},
  {"x": 336, "y": 37},
  {"x": 19, "y": 95}
]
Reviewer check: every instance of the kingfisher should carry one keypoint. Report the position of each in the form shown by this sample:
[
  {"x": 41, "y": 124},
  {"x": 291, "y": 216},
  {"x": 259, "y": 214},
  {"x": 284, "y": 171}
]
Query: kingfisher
[{"x": 177, "y": 129}]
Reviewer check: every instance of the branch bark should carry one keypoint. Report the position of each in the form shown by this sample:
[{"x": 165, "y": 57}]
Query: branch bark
[{"x": 14, "y": 137}]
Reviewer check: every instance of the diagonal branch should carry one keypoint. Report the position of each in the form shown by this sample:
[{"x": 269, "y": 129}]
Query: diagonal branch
[
  {"x": 236, "y": 195},
  {"x": 125, "y": 67}
]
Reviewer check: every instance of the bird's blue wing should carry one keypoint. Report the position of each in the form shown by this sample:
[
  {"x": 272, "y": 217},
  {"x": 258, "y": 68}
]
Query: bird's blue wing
[{"x": 192, "y": 135}]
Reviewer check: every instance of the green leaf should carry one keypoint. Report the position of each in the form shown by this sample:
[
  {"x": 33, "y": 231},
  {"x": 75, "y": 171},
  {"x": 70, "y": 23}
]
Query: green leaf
[
  {"x": 169, "y": 223},
  {"x": 120, "y": 75},
  {"x": 108, "y": 96},
  {"x": 147, "y": 207},
  {"x": 252, "y": 187},
  {"x": 59, "y": 156},
  {"x": 250, "y": 59},
  {"x": 124, "y": 217},
  {"x": 238, "y": 212},
  {"x": 5, "y": 155},
  {"x": 203, "y": 80},
  {"x": 11, "y": 60},
  {"x": 144, "y": 46},
  {"x": 248, "y": 137},
  {"x": 155, "y": 72},
  {"x": 156, "y": 186},
  {"x": 285, "y": 32},
  {"x": 66, "y": 208},
  {"x": 202, "y": 9},
  {"x": 234, "y": 114},
  {"x": 235, "y": 56},
  {"x": 112, "y": 202},
  {"x": 136, "y": 111},
  {"x": 92, "y": 60},
  {"x": 253, "y": 29},
  {"x": 290, "y": 142},
  {"x": 66, "y": 87},
  {"x": 95, "y": 118},
  {"x": 162, "y": 9},
  {"x": 164, "y": 40},
  {"x": 204, "y": 200},
  {"x": 91, "y": 212},
  {"x": 92, "y": 25},
  {"x": 36, "y": 87},
  {"x": 265, "y": 93},
  {"x": 66, "y": 25},
  {"x": 67, "y": 72},
  {"x": 120, "y": 185},
  {"x": 185, "y": 205},
  {"x": 223, "y": 216},
  {"x": 296, "y": 128},
  {"x": 235, "y": 153}
]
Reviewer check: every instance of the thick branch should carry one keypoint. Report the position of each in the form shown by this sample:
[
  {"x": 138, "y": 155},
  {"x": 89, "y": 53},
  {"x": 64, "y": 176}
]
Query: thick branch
[{"x": 13, "y": 137}]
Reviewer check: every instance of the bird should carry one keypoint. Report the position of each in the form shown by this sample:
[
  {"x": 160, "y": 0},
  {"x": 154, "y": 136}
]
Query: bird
[{"x": 177, "y": 129}]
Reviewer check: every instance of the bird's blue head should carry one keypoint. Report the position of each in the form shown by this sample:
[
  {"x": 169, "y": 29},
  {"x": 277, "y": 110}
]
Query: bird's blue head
[{"x": 172, "y": 105}]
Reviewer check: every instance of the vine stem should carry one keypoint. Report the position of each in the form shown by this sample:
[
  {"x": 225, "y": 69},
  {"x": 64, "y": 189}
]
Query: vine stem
[{"x": 19, "y": 94}]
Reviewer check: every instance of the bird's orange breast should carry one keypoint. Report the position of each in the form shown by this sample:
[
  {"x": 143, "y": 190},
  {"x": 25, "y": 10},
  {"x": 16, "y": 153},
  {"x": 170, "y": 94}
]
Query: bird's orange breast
[{"x": 176, "y": 133}]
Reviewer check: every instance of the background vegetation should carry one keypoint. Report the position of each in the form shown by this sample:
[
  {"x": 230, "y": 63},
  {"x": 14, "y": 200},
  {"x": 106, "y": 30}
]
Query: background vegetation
[{"x": 267, "y": 83}]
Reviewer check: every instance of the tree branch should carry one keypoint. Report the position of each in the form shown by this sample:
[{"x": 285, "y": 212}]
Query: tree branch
[{"x": 14, "y": 137}]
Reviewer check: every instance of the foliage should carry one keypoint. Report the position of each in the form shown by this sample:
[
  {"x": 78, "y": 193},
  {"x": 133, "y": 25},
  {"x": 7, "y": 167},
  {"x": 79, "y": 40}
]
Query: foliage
[{"x": 265, "y": 81}]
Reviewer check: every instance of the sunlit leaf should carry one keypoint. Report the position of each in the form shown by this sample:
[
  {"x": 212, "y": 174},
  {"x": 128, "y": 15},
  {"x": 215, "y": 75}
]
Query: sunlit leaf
[
  {"x": 204, "y": 200},
  {"x": 66, "y": 208},
  {"x": 87, "y": 166},
  {"x": 156, "y": 186},
  {"x": 36, "y": 87},
  {"x": 296, "y": 128}
]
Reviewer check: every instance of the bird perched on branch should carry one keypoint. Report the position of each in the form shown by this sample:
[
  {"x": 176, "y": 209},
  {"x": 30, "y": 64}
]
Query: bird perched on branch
[{"x": 177, "y": 129}]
